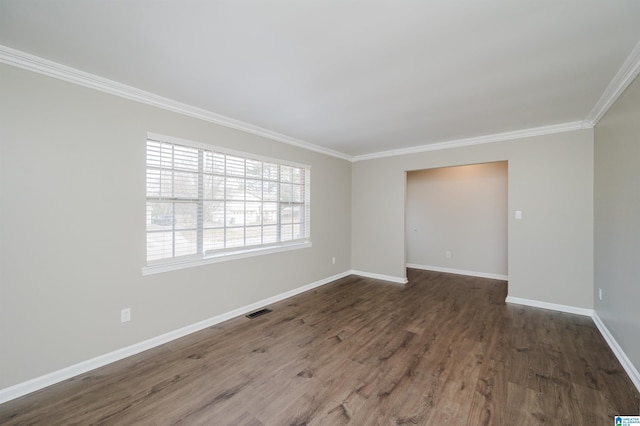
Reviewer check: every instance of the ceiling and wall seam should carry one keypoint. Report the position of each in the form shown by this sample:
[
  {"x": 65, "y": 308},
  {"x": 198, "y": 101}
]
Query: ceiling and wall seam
[
  {"x": 497, "y": 137},
  {"x": 623, "y": 78},
  {"x": 49, "y": 68},
  {"x": 625, "y": 75}
]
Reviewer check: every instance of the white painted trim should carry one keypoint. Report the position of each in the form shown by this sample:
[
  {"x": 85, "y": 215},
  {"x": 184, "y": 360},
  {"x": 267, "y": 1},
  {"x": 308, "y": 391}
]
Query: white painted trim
[
  {"x": 24, "y": 388},
  {"x": 399, "y": 280},
  {"x": 49, "y": 68},
  {"x": 157, "y": 137},
  {"x": 552, "y": 306},
  {"x": 459, "y": 272},
  {"x": 223, "y": 257},
  {"x": 628, "y": 366},
  {"x": 53, "y": 69},
  {"x": 41, "y": 382},
  {"x": 497, "y": 137},
  {"x": 629, "y": 70},
  {"x": 626, "y": 363},
  {"x": 623, "y": 78}
]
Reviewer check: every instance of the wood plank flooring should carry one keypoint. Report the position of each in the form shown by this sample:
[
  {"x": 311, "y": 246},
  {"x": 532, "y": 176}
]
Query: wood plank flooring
[{"x": 444, "y": 349}]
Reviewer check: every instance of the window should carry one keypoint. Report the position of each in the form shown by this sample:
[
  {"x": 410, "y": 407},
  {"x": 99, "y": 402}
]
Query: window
[{"x": 205, "y": 203}]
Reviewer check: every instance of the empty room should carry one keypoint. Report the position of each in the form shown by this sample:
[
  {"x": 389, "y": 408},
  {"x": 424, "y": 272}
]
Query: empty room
[{"x": 319, "y": 212}]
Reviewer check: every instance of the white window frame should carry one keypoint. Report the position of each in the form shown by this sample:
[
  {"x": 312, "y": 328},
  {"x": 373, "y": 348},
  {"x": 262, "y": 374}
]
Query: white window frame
[{"x": 203, "y": 256}]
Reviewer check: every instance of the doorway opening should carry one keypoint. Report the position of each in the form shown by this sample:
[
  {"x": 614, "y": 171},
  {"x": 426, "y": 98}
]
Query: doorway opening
[{"x": 456, "y": 219}]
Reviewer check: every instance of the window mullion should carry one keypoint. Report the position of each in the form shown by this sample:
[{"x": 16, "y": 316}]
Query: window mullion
[
  {"x": 177, "y": 190},
  {"x": 200, "y": 208},
  {"x": 303, "y": 212},
  {"x": 262, "y": 205},
  {"x": 279, "y": 210},
  {"x": 224, "y": 204},
  {"x": 244, "y": 205},
  {"x": 173, "y": 205}
]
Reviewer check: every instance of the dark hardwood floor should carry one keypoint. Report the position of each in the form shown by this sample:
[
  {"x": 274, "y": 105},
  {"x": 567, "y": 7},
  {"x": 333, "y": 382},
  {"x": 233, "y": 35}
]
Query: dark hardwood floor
[{"x": 444, "y": 349}]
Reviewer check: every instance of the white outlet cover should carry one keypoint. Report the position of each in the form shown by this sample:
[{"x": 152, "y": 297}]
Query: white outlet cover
[{"x": 125, "y": 315}]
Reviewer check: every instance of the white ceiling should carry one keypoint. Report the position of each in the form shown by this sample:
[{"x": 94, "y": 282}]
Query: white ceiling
[{"x": 355, "y": 76}]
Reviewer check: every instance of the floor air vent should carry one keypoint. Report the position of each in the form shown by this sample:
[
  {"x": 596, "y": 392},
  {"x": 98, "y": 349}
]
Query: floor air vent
[{"x": 255, "y": 314}]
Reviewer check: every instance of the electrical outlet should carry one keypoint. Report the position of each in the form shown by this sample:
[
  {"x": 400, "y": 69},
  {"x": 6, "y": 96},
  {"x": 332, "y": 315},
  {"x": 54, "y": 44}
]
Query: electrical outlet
[
  {"x": 333, "y": 260},
  {"x": 600, "y": 293},
  {"x": 447, "y": 254},
  {"x": 125, "y": 315}
]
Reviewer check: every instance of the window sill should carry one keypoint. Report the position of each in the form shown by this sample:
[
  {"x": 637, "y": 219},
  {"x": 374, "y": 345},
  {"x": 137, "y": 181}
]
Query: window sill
[{"x": 221, "y": 257}]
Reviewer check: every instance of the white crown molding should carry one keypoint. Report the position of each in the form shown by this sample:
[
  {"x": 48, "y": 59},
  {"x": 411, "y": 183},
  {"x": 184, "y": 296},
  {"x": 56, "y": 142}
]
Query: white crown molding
[
  {"x": 49, "y": 68},
  {"x": 24, "y": 388},
  {"x": 623, "y": 78},
  {"x": 496, "y": 137},
  {"x": 629, "y": 70},
  {"x": 459, "y": 272}
]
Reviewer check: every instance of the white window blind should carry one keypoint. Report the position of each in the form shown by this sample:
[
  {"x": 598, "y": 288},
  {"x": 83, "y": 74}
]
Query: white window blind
[{"x": 205, "y": 203}]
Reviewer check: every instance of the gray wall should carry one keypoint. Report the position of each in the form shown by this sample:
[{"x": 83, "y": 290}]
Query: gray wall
[
  {"x": 72, "y": 227},
  {"x": 462, "y": 210},
  {"x": 550, "y": 179},
  {"x": 617, "y": 221}
]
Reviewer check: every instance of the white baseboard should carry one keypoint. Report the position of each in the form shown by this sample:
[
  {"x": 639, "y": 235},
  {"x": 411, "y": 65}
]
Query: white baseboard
[
  {"x": 24, "y": 388},
  {"x": 628, "y": 366},
  {"x": 400, "y": 280},
  {"x": 459, "y": 272},
  {"x": 41, "y": 382},
  {"x": 552, "y": 306}
]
